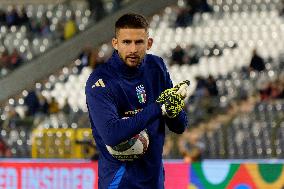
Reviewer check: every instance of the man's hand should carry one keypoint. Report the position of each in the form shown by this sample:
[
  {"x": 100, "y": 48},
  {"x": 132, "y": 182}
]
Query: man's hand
[
  {"x": 172, "y": 100},
  {"x": 172, "y": 103},
  {"x": 182, "y": 88}
]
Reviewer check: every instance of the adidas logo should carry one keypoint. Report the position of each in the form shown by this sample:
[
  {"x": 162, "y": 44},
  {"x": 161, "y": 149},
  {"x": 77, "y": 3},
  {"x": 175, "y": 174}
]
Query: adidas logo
[{"x": 99, "y": 83}]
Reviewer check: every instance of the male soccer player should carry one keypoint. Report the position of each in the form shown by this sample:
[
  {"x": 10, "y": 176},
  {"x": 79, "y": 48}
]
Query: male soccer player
[{"x": 136, "y": 86}]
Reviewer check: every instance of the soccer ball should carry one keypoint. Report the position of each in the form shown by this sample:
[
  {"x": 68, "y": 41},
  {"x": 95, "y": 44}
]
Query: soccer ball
[{"x": 131, "y": 149}]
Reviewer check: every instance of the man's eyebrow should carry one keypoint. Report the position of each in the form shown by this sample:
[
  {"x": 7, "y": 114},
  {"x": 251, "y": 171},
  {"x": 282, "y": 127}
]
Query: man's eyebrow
[
  {"x": 139, "y": 40},
  {"x": 129, "y": 40}
]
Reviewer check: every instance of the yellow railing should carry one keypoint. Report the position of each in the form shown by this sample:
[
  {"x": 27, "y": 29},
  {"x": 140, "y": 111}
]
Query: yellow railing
[{"x": 62, "y": 143}]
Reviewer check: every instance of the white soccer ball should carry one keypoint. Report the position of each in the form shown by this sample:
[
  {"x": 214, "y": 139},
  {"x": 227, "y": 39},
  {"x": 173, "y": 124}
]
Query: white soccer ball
[{"x": 131, "y": 149}]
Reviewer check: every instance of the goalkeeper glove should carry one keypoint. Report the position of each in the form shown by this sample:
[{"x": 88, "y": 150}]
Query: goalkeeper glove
[
  {"x": 180, "y": 88},
  {"x": 172, "y": 103},
  {"x": 172, "y": 99}
]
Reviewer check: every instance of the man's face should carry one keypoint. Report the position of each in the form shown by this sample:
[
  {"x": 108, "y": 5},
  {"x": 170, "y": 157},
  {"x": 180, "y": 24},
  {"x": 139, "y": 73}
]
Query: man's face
[{"x": 131, "y": 45}]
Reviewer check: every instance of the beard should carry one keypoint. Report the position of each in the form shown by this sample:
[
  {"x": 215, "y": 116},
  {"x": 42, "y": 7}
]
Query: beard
[{"x": 132, "y": 60}]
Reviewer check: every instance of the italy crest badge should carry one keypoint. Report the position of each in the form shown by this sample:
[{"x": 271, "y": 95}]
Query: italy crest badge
[{"x": 141, "y": 93}]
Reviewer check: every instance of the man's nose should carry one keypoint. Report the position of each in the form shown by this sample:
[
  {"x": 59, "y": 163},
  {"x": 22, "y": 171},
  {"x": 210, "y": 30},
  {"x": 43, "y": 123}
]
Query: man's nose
[{"x": 133, "y": 47}]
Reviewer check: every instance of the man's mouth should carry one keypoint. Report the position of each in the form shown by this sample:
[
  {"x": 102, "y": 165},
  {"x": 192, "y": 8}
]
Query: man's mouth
[{"x": 132, "y": 57}]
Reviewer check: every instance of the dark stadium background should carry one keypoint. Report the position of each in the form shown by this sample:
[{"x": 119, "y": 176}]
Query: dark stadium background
[{"x": 232, "y": 51}]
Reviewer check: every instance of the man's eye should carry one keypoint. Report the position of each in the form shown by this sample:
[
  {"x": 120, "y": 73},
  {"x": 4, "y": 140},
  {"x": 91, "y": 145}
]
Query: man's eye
[{"x": 126, "y": 42}]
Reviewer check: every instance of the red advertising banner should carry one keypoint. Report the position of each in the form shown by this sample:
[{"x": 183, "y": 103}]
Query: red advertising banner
[
  {"x": 48, "y": 175},
  {"x": 71, "y": 175},
  {"x": 176, "y": 175}
]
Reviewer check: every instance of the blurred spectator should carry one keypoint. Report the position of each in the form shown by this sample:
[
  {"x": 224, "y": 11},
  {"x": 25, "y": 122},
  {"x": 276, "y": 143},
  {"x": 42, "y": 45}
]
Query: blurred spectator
[
  {"x": 281, "y": 85},
  {"x": 85, "y": 58},
  {"x": 281, "y": 10},
  {"x": 199, "y": 6},
  {"x": 44, "y": 28},
  {"x": 212, "y": 86},
  {"x": 281, "y": 13},
  {"x": 89, "y": 57},
  {"x": 59, "y": 31},
  {"x": 201, "y": 86},
  {"x": 95, "y": 59},
  {"x": 194, "y": 53},
  {"x": 66, "y": 109},
  {"x": 10, "y": 61},
  {"x": 202, "y": 104},
  {"x": 68, "y": 112},
  {"x": 23, "y": 17},
  {"x": 191, "y": 146},
  {"x": 257, "y": 62},
  {"x": 167, "y": 149},
  {"x": 32, "y": 103},
  {"x": 70, "y": 28},
  {"x": 2, "y": 17},
  {"x": 263, "y": 88},
  {"x": 12, "y": 17},
  {"x": 275, "y": 90},
  {"x": 4, "y": 150},
  {"x": 34, "y": 27},
  {"x": 43, "y": 105},
  {"x": 53, "y": 106},
  {"x": 270, "y": 90},
  {"x": 204, "y": 6},
  {"x": 87, "y": 143},
  {"x": 116, "y": 5},
  {"x": 184, "y": 18},
  {"x": 97, "y": 9},
  {"x": 5, "y": 59},
  {"x": 193, "y": 5},
  {"x": 178, "y": 55},
  {"x": 185, "y": 15},
  {"x": 12, "y": 117},
  {"x": 15, "y": 59}
]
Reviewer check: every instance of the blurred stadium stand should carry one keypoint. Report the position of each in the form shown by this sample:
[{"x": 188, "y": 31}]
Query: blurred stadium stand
[
  {"x": 32, "y": 29},
  {"x": 227, "y": 33}
]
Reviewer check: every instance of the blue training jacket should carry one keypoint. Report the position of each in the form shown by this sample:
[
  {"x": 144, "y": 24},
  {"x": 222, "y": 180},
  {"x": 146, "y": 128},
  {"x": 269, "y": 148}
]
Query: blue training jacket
[{"x": 115, "y": 91}]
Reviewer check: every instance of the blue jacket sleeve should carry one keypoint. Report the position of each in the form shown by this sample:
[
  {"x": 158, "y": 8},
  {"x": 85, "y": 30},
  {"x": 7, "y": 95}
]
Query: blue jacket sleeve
[
  {"x": 110, "y": 126},
  {"x": 179, "y": 123}
]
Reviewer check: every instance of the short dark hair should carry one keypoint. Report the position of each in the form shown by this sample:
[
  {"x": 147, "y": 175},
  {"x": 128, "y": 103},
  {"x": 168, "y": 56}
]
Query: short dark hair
[{"x": 132, "y": 21}]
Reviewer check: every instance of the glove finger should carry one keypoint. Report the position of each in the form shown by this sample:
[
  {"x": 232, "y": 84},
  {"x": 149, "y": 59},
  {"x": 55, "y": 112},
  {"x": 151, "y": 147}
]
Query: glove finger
[
  {"x": 187, "y": 82},
  {"x": 182, "y": 92}
]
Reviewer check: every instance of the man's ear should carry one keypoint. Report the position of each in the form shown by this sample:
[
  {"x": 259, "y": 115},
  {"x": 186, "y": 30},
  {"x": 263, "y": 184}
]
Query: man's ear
[
  {"x": 114, "y": 43},
  {"x": 150, "y": 42}
]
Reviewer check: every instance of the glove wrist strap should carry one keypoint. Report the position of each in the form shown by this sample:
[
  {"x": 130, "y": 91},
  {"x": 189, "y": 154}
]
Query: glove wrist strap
[{"x": 164, "y": 111}]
